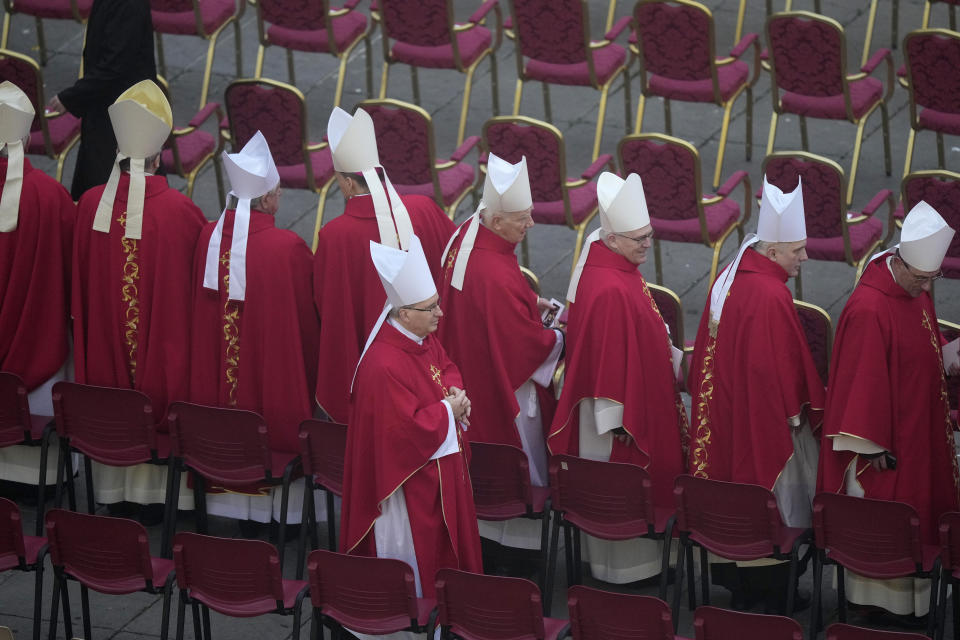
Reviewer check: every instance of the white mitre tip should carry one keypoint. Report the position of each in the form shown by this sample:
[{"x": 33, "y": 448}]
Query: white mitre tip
[
  {"x": 507, "y": 186},
  {"x": 781, "y": 217},
  {"x": 252, "y": 172},
  {"x": 925, "y": 238},
  {"x": 623, "y": 205},
  {"x": 405, "y": 275}
]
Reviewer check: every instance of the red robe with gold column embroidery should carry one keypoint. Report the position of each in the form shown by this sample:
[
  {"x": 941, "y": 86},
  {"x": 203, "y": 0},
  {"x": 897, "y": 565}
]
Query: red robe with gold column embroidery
[
  {"x": 618, "y": 348},
  {"x": 749, "y": 377},
  {"x": 887, "y": 386},
  {"x": 492, "y": 329},
  {"x": 397, "y": 422},
  {"x": 348, "y": 293},
  {"x": 35, "y": 279},
  {"x": 131, "y": 298},
  {"x": 260, "y": 353}
]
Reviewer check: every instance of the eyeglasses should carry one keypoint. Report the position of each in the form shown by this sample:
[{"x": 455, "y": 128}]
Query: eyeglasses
[
  {"x": 919, "y": 279},
  {"x": 434, "y": 307},
  {"x": 640, "y": 240}
]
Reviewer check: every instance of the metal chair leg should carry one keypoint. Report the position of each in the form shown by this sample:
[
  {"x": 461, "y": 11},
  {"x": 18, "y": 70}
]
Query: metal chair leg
[
  {"x": 415, "y": 83},
  {"x": 291, "y": 70},
  {"x": 258, "y": 65},
  {"x": 855, "y": 164},
  {"x": 772, "y": 136},
  {"x": 724, "y": 131},
  {"x": 547, "y": 111},
  {"x": 885, "y": 124},
  {"x": 601, "y": 116},
  {"x": 494, "y": 84},
  {"x": 551, "y": 565},
  {"x": 41, "y": 42},
  {"x": 640, "y": 108},
  {"x": 667, "y": 120},
  {"x": 85, "y": 611},
  {"x": 804, "y": 138},
  {"x": 384, "y": 77},
  {"x": 911, "y": 138},
  {"x": 517, "y": 97},
  {"x": 658, "y": 264},
  {"x": 704, "y": 577},
  {"x": 841, "y": 594},
  {"x": 678, "y": 582}
]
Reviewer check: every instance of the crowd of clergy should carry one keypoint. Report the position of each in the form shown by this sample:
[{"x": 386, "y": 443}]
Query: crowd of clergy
[{"x": 423, "y": 337}]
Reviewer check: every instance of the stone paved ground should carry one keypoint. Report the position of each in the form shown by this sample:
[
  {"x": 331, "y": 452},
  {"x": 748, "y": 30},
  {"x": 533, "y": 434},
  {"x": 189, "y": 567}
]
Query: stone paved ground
[{"x": 685, "y": 266}]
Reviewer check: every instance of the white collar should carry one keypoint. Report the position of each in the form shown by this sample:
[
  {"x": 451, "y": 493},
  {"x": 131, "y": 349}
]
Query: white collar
[{"x": 399, "y": 327}]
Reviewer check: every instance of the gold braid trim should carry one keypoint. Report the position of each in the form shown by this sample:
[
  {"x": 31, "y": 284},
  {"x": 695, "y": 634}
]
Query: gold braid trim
[
  {"x": 129, "y": 297},
  {"x": 945, "y": 402},
  {"x": 231, "y": 336}
]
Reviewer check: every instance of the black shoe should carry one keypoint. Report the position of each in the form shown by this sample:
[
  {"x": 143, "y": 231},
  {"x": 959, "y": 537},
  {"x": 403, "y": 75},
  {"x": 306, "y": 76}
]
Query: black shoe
[
  {"x": 150, "y": 514},
  {"x": 251, "y": 529},
  {"x": 122, "y": 509}
]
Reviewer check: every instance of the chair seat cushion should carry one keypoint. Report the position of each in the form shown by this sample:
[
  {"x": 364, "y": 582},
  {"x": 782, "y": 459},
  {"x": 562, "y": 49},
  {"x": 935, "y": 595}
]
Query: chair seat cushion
[
  {"x": 472, "y": 43},
  {"x": 720, "y": 217},
  {"x": 941, "y": 121},
  {"x": 214, "y": 14},
  {"x": 453, "y": 182},
  {"x": 64, "y": 130},
  {"x": 863, "y": 235},
  {"x": 730, "y": 77},
  {"x": 347, "y": 29},
  {"x": 294, "y": 176},
  {"x": 583, "y": 204},
  {"x": 606, "y": 62},
  {"x": 864, "y": 93},
  {"x": 54, "y": 9},
  {"x": 193, "y": 148}
]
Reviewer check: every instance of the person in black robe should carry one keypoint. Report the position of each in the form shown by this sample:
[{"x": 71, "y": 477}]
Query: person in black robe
[{"x": 118, "y": 54}]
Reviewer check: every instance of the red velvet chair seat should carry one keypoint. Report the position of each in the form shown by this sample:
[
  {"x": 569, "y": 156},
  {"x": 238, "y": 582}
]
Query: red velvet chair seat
[
  {"x": 940, "y": 121},
  {"x": 720, "y": 217},
  {"x": 63, "y": 129},
  {"x": 472, "y": 43},
  {"x": 213, "y": 13},
  {"x": 730, "y": 77},
  {"x": 294, "y": 176},
  {"x": 55, "y": 9},
  {"x": 453, "y": 181},
  {"x": 862, "y": 237},
  {"x": 193, "y": 148},
  {"x": 606, "y": 61},
  {"x": 346, "y": 29},
  {"x": 583, "y": 201},
  {"x": 864, "y": 94}
]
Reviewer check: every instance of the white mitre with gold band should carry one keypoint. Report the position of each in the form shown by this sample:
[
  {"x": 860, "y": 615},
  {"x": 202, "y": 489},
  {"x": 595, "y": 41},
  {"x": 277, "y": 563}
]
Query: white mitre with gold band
[
  {"x": 623, "y": 208},
  {"x": 16, "y": 116},
  {"x": 142, "y": 120},
  {"x": 353, "y": 146},
  {"x": 252, "y": 174},
  {"x": 406, "y": 278},
  {"x": 505, "y": 189},
  {"x": 924, "y": 238},
  {"x": 781, "y": 219}
]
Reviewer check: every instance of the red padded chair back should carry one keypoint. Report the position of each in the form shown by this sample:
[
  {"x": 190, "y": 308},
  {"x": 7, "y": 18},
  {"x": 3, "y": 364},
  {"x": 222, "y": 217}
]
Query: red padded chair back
[
  {"x": 823, "y": 190},
  {"x": 735, "y": 521},
  {"x": 500, "y": 474},
  {"x": 171, "y": 6},
  {"x": 14, "y": 410},
  {"x": 840, "y": 631},
  {"x": 478, "y": 606},
  {"x": 512, "y": 140},
  {"x": 950, "y": 541},
  {"x": 12, "y": 549},
  {"x": 370, "y": 595},
  {"x": 875, "y": 538},
  {"x": 294, "y": 14},
  {"x": 933, "y": 59},
  {"x": 232, "y": 576},
  {"x": 273, "y": 108},
  {"x": 668, "y": 304},
  {"x": 550, "y": 31},
  {"x": 941, "y": 190},
  {"x": 807, "y": 54},
  {"x": 675, "y": 39},
  {"x": 670, "y": 172},
  {"x": 109, "y": 555},
  {"x": 403, "y": 142},
  {"x": 819, "y": 334},
  {"x": 610, "y": 500},
  {"x": 598, "y": 615},
  {"x": 424, "y": 23},
  {"x": 26, "y": 76},
  {"x": 323, "y": 446},
  {"x": 223, "y": 445},
  {"x": 711, "y": 623},
  {"x": 112, "y": 426}
]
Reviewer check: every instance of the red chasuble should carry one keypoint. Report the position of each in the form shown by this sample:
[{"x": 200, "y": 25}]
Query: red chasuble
[
  {"x": 492, "y": 328},
  {"x": 35, "y": 279},
  {"x": 748, "y": 377},
  {"x": 887, "y": 386},
  {"x": 619, "y": 349},
  {"x": 348, "y": 293},
  {"x": 397, "y": 421},
  {"x": 258, "y": 354},
  {"x": 131, "y": 298}
]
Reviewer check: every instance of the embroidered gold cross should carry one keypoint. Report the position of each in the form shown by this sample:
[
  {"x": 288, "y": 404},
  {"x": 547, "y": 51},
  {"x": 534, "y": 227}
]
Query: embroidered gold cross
[
  {"x": 451, "y": 257},
  {"x": 436, "y": 378},
  {"x": 123, "y": 219},
  {"x": 225, "y": 258}
]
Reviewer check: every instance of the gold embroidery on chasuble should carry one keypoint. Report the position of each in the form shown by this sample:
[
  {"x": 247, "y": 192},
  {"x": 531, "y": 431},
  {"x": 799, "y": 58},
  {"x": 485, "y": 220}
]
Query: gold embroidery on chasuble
[
  {"x": 435, "y": 376},
  {"x": 129, "y": 298},
  {"x": 702, "y": 436},
  {"x": 231, "y": 336},
  {"x": 944, "y": 400},
  {"x": 451, "y": 258}
]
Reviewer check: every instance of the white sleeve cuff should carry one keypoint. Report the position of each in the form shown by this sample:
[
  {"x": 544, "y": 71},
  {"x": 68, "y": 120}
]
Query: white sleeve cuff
[{"x": 450, "y": 444}]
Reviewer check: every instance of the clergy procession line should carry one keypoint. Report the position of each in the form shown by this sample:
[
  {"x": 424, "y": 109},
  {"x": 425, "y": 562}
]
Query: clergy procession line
[{"x": 423, "y": 337}]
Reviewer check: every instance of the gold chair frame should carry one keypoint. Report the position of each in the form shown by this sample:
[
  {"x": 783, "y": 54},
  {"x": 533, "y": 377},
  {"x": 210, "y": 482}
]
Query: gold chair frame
[
  {"x": 342, "y": 56},
  {"x": 9, "y": 7},
  {"x": 454, "y": 29},
  {"x": 435, "y": 167},
  {"x": 637, "y": 52},
  {"x": 604, "y": 89},
  {"x": 308, "y": 148},
  {"x": 848, "y": 106},
  {"x": 739, "y": 226}
]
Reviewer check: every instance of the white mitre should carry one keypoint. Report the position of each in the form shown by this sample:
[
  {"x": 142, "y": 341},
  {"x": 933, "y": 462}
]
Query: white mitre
[
  {"x": 623, "y": 208},
  {"x": 252, "y": 173},
  {"x": 406, "y": 278},
  {"x": 505, "y": 189},
  {"x": 353, "y": 147},
  {"x": 142, "y": 120},
  {"x": 924, "y": 238},
  {"x": 16, "y": 116}
]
